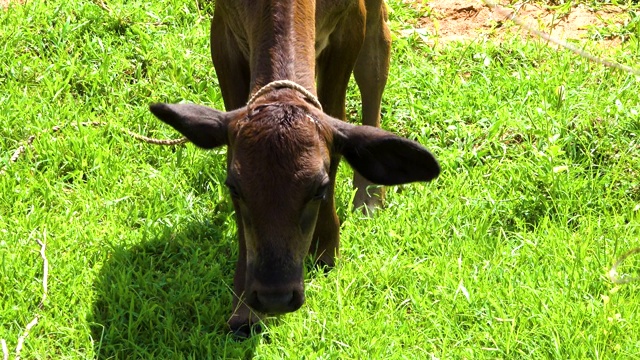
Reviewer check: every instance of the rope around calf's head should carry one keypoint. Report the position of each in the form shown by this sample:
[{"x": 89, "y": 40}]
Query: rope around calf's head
[
  {"x": 278, "y": 84},
  {"x": 288, "y": 84}
]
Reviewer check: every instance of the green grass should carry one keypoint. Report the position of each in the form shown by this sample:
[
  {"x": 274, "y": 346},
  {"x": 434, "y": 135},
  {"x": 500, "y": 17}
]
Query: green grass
[{"x": 504, "y": 256}]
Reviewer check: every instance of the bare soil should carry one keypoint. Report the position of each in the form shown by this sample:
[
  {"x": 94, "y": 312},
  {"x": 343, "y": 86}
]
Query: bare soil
[
  {"x": 464, "y": 20},
  {"x": 5, "y": 3}
]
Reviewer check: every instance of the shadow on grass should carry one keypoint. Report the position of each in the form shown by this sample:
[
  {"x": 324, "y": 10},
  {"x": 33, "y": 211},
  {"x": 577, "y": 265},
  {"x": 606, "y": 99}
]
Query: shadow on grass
[{"x": 168, "y": 297}]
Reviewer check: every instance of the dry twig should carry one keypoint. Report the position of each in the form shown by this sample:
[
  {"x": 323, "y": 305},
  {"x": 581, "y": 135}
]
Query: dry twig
[
  {"x": 32, "y": 323},
  {"x": 564, "y": 44},
  {"x": 21, "y": 149},
  {"x": 5, "y": 350}
]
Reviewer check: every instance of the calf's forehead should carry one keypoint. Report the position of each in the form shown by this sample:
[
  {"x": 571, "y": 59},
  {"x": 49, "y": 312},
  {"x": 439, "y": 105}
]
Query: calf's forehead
[{"x": 276, "y": 150}]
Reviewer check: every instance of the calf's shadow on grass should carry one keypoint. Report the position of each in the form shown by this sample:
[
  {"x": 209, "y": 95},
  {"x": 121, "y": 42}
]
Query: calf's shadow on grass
[{"x": 168, "y": 297}]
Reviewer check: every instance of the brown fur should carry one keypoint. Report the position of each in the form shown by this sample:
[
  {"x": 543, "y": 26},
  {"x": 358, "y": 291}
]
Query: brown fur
[{"x": 283, "y": 153}]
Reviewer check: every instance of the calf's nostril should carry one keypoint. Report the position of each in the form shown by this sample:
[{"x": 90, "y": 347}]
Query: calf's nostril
[{"x": 277, "y": 301}]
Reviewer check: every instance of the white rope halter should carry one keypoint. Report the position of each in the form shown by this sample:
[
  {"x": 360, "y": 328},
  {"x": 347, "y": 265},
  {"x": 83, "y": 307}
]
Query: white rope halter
[{"x": 279, "y": 84}]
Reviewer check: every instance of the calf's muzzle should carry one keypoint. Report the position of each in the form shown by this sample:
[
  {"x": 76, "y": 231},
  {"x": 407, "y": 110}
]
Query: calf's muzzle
[{"x": 276, "y": 300}]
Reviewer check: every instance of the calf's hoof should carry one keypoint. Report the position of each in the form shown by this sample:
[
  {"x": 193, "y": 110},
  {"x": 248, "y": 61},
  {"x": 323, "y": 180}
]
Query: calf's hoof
[
  {"x": 325, "y": 262},
  {"x": 244, "y": 323},
  {"x": 368, "y": 200},
  {"x": 244, "y": 331}
]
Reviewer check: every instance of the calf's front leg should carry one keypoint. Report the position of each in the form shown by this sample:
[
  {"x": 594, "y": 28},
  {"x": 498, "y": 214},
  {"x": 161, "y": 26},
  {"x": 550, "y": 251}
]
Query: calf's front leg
[{"x": 371, "y": 72}]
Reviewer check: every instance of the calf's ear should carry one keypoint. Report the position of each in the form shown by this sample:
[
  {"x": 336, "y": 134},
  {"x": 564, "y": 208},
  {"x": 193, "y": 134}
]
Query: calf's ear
[
  {"x": 382, "y": 157},
  {"x": 203, "y": 126}
]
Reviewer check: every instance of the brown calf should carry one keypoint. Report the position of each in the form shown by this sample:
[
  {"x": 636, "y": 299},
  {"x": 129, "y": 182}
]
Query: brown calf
[{"x": 283, "y": 148}]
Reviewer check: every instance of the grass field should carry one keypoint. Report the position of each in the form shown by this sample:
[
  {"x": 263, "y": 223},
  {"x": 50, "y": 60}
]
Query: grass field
[{"x": 504, "y": 256}]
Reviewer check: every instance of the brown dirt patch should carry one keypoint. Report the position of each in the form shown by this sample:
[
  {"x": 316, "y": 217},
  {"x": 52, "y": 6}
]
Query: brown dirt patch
[
  {"x": 467, "y": 20},
  {"x": 5, "y": 3},
  {"x": 464, "y": 20}
]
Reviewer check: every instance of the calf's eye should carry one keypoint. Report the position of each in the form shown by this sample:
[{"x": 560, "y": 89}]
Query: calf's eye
[
  {"x": 233, "y": 191},
  {"x": 321, "y": 192}
]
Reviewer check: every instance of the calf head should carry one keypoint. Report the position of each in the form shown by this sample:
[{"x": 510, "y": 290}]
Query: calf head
[{"x": 279, "y": 172}]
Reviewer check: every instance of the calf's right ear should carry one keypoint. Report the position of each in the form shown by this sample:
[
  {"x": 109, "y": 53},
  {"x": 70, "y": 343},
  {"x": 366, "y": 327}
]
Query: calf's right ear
[
  {"x": 203, "y": 126},
  {"x": 382, "y": 157}
]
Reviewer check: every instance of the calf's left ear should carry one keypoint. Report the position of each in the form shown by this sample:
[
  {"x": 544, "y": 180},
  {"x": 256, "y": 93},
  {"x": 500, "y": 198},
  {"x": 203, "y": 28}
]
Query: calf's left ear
[
  {"x": 382, "y": 157},
  {"x": 202, "y": 125}
]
